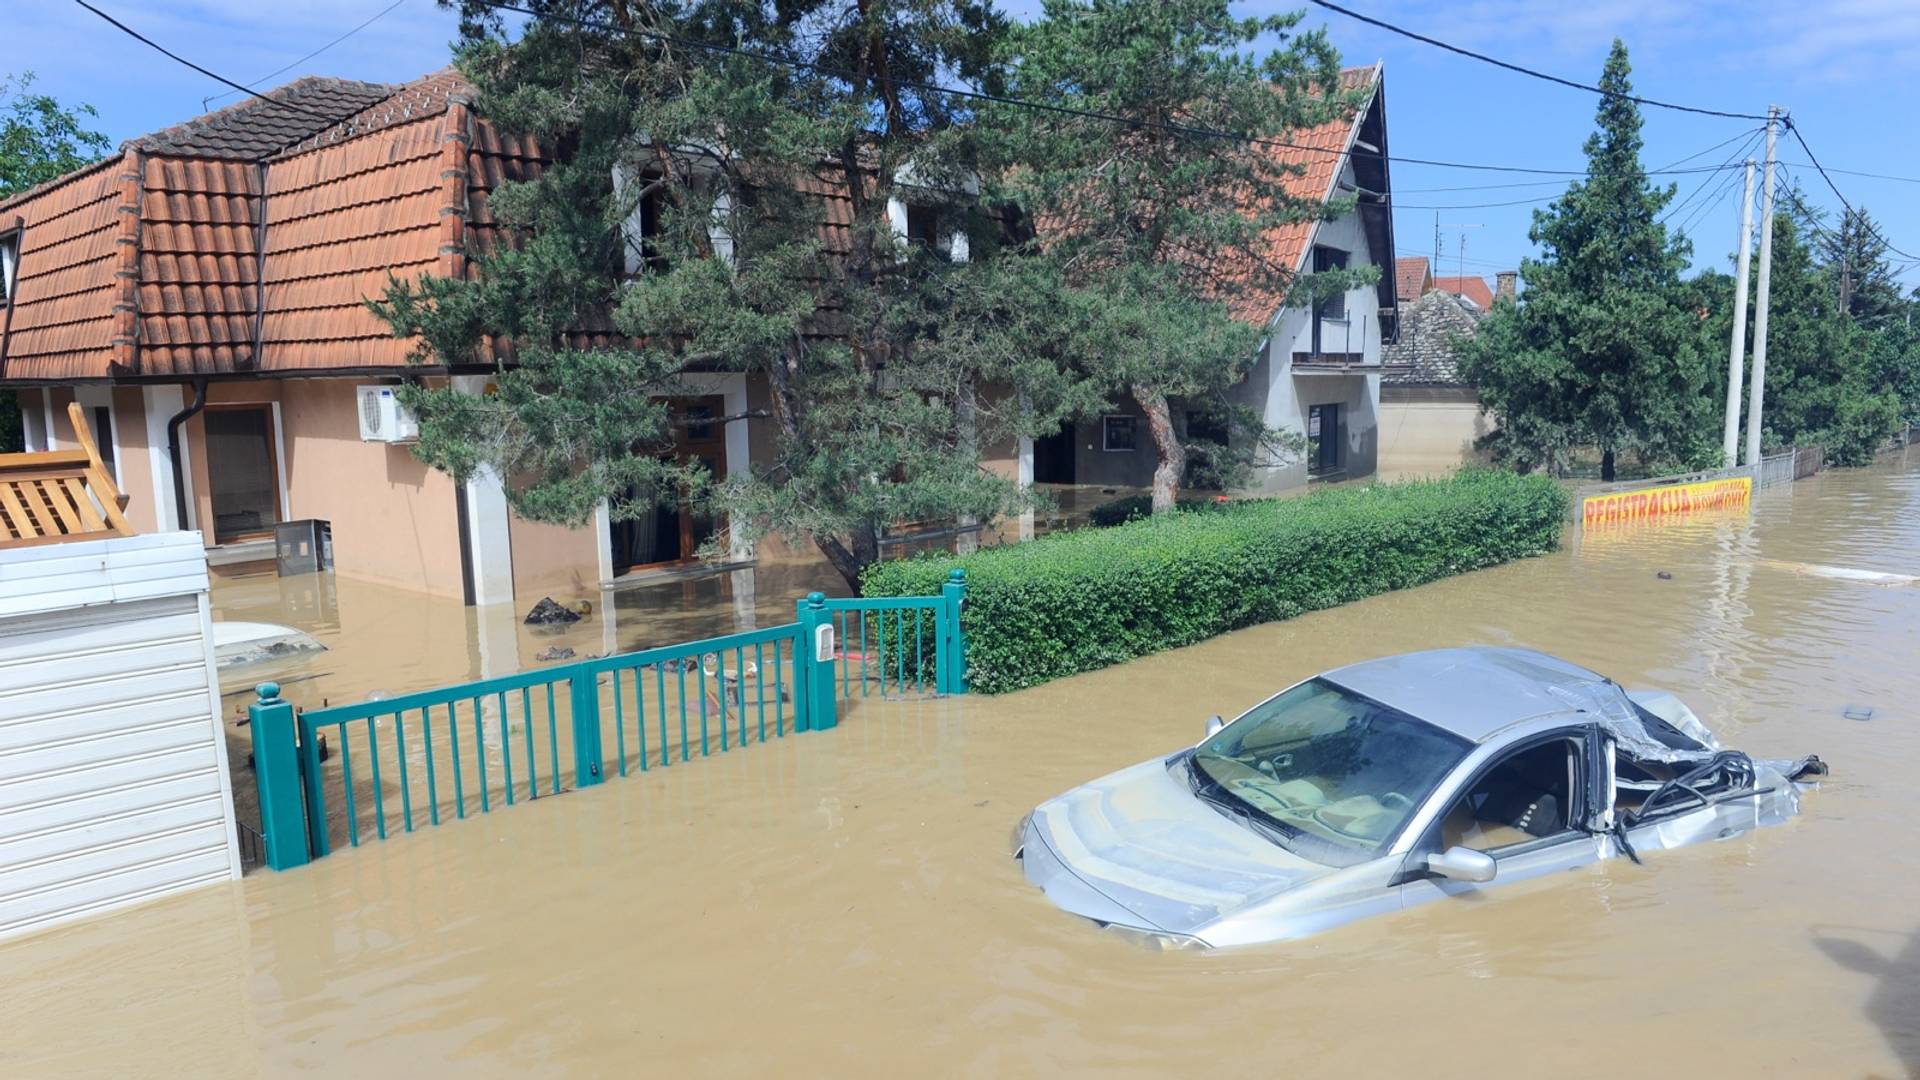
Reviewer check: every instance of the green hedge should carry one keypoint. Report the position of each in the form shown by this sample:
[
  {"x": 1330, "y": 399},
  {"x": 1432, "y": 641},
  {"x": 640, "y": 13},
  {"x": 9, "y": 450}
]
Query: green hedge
[
  {"x": 1083, "y": 600},
  {"x": 1134, "y": 507}
]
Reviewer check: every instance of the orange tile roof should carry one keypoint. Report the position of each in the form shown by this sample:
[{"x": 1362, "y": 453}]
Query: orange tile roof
[
  {"x": 1318, "y": 154},
  {"x": 61, "y": 322},
  {"x": 1411, "y": 277},
  {"x": 174, "y": 265},
  {"x": 1472, "y": 289}
]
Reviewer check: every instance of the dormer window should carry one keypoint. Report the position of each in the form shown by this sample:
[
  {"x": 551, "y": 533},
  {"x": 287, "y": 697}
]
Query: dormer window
[
  {"x": 9, "y": 265},
  {"x": 923, "y": 229},
  {"x": 643, "y": 233}
]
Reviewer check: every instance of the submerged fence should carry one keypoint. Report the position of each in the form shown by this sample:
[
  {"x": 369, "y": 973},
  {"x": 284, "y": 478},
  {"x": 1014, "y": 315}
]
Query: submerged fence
[{"x": 418, "y": 760}]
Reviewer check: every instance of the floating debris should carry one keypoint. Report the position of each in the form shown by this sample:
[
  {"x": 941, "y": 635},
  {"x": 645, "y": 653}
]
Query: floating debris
[
  {"x": 1858, "y": 712},
  {"x": 1664, "y": 576},
  {"x": 547, "y": 612},
  {"x": 554, "y": 652},
  {"x": 238, "y": 643}
]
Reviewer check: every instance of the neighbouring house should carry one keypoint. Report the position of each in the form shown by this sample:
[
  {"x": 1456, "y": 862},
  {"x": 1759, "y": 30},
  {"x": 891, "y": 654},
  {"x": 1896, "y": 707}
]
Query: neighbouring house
[
  {"x": 1412, "y": 278},
  {"x": 1318, "y": 371},
  {"x": 1473, "y": 288},
  {"x": 1429, "y": 415},
  {"x": 202, "y": 295}
]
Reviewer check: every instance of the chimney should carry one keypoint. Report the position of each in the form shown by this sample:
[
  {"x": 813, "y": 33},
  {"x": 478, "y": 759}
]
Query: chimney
[{"x": 1505, "y": 284}]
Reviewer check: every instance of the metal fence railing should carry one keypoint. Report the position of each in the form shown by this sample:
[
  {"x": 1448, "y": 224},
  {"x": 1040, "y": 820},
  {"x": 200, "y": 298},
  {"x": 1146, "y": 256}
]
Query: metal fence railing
[
  {"x": 1774, "y": 469},
  {"x": 416, "y": 760}
]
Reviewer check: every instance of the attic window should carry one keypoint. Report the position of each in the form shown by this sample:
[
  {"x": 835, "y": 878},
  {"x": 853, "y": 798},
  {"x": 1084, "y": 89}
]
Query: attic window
[
  {"x": 924, "y": 229},
  {"x": 9, "y": 264}
]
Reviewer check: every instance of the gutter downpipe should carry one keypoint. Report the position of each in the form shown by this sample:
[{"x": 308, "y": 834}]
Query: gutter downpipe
[{"x": 173, "y": 449}]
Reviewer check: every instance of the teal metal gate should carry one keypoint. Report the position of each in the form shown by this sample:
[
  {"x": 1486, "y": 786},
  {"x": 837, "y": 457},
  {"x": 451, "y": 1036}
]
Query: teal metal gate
[{"x": 416, "y": 760}]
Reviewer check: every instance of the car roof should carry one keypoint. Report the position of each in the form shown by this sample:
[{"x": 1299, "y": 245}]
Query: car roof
[{"x": 1474, "y": 691}]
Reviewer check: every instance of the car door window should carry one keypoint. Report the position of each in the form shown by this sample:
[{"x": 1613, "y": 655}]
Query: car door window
[{"x": 1525, "y": 797}]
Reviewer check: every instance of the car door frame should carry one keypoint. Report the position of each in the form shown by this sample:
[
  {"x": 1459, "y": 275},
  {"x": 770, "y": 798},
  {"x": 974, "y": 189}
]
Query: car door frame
[{"x": 1573, "y": 847}]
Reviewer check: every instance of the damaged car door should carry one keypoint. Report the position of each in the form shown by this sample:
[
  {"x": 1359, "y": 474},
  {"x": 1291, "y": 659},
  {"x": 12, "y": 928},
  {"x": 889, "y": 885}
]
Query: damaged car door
[{"x": 1528, "y": 808}]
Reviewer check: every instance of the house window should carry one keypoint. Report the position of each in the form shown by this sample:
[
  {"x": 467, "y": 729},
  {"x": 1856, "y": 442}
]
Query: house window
[
  {"x": 9, "y": 264},
  {"x": 1330, "y": 315},
  {"x": 1323, "y": 439},
  {"x": 645, "y": 230},
  {"x": 924, "y": 230},
  {"x": 1119, "y": 434}
]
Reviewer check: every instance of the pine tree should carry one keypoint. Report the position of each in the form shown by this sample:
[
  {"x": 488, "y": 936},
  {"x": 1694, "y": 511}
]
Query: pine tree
[
  {"x": 1855, "y": 257},
  {"x": 873, "y": 349},
  {"x": 1161, "y": 221},
  {"x": 1605, "y": 348},
  {"x": 1830, "y": 382}
]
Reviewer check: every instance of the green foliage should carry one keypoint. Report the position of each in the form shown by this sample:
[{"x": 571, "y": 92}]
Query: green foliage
[
  {"x": 1831, "y": 381},
  {"x": 1605, "y": 348},
  {"x": 1091, "y": 598},
  {"x": 1133, "y": 507},
  {"x": 1159, "y": 222},
  {"x": 41, "y": 139},
  {"x": 685, "y": 210}
]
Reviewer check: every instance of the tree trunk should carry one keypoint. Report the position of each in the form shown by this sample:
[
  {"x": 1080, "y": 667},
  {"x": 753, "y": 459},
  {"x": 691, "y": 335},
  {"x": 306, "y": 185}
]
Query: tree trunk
[
  {"x": 1606, "y": 464},
  {"x": 849, "y": 560},
  {"x": 1170, "y": 457}
]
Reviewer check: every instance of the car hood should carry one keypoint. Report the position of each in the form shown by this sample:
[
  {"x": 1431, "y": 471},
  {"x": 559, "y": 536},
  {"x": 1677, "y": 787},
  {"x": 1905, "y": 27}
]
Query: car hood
[{"x": 1138, "y": 848}]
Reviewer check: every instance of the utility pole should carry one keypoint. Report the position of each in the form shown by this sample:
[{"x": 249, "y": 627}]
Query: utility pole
[
  {"x": 1737, "y": 355},
  {"x": 1760, "y": 313}
]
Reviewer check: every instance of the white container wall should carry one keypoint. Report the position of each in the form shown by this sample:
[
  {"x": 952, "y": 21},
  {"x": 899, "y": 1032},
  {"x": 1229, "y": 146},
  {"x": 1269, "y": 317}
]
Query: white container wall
[{"x": 113, "y": 766}]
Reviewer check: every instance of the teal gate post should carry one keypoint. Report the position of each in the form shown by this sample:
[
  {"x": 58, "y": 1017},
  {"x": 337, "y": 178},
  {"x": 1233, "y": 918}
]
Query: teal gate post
[
  {"x": 276, "y": 773},
  {"x": 952, "y": 658},
  {"x": 813, "y": 655},
  {"x": 587, "y": 755}
]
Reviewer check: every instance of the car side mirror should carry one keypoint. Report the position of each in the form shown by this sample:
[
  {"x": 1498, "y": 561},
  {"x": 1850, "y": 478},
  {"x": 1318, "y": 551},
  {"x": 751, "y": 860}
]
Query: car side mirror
[
  {"x": 1214, "y": 724},
  {"x": 1463, "y": 864}
]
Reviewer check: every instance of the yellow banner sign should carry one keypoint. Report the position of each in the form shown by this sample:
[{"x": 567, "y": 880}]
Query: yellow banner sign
[{"x": 1662, "y": 501}]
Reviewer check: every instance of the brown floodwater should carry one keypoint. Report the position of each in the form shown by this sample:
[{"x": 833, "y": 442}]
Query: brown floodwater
[{"x": 842, "y": 903}]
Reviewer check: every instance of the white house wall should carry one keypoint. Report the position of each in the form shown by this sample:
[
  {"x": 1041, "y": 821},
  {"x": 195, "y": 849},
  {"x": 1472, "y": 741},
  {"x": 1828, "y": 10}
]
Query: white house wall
[
  {"x": 113, "y": 770},
  {"x": 1283, "y": 395}
]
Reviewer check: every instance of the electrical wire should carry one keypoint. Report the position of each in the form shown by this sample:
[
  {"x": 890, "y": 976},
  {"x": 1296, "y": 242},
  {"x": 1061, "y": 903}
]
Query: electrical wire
[
  {"x": 1536, "y": 200},
  {"x": 1741, "y": 151},
  {"x": 206, "y": 102},
  {"x": 1871, "y": 175},
  {"x": 178, "y": 59},
  {"x": 1705, "y": 210},
  {"x": 1749, "y": 133},
  {"x": 1485, "y": 59},
  {"x": 1794, "y": 130}
]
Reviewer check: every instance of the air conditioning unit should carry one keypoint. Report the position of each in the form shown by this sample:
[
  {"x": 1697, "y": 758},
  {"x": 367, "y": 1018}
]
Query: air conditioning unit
[{"x": 383, "y": 418}]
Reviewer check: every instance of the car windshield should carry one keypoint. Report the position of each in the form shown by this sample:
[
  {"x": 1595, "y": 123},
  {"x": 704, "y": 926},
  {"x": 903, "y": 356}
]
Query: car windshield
[{"x": 1338, "y": 773}]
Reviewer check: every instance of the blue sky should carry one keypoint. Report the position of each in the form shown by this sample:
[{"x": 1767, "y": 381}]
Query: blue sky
[{"x": 1849, "y": 70}]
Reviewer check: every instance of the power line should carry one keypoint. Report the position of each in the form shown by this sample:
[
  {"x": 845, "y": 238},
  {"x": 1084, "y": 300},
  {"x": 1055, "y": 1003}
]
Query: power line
[
  {"x": 1485, "y": 59},
  {"x": 205, "y": 102},
  {"x": 1705, "y": 210},
  {"x": 1794, "y": 129},
  {"x": 1744, "y": 149},
  {"x": 1475, "y": 206},
  {"x": 1041, "y": 106},
  {"x": 1662, "y": 170},
  {"x": 178, "y": 59},
  {"x": 1857, "y": 172}
]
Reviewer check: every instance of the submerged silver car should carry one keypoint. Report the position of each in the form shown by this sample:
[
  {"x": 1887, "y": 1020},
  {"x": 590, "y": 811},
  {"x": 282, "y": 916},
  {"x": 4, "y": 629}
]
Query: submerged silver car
[{"x": 1389, "y": 783}]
